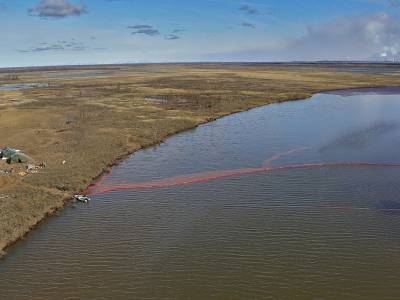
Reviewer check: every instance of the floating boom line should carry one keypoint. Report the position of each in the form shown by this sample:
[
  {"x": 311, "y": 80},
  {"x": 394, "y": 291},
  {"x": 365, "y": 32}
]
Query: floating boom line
[{"x": 215, "y": 175}]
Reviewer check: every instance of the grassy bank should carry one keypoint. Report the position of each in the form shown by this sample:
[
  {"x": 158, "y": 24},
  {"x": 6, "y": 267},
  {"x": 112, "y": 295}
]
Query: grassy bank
[{"x": 90, "y": 122}]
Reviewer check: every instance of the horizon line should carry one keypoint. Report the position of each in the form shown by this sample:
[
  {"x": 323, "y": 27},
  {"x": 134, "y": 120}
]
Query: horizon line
[{"x": 55, "y": 66}]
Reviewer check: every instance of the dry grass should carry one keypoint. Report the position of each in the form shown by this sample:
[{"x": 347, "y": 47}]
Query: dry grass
[{"x": 91, "y": 122}]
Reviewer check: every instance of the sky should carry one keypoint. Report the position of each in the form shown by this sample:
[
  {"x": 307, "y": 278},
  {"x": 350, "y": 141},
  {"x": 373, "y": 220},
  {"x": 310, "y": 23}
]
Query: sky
[{"x": 62, "y": 32}]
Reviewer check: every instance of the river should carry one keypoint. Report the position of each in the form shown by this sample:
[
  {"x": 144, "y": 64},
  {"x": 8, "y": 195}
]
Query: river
[{"x": 326, "y": 231}]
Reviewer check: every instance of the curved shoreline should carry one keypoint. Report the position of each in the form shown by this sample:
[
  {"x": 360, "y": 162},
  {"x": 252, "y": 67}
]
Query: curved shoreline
[
  {"x": 67, "y": 199},
  {"x": 54, "y": 210}
]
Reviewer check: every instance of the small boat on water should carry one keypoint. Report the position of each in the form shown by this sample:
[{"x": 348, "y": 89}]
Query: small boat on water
[{"x": 82, "y": 198}]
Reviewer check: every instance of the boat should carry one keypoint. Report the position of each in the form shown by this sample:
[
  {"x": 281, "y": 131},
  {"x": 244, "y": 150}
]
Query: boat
[{"x": 82, "y": 198}]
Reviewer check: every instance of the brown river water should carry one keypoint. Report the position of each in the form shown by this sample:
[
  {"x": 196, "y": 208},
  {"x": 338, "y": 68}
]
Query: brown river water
[{"x": 298, "y": 200}]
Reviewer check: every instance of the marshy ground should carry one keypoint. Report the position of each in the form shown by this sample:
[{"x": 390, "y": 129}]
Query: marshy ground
[{"x": 90, "y": 117}]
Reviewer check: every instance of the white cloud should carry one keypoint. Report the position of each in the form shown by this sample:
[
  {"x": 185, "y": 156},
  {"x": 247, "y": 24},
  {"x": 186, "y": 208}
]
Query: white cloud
[{"x": 57, "y": 9}]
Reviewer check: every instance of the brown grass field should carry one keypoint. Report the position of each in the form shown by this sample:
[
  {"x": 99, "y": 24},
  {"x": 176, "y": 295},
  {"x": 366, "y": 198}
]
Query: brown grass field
[{"x": 91, "y": 117}]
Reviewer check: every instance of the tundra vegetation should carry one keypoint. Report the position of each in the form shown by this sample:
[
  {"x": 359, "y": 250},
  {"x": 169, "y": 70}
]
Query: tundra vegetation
[{"x": 88, "y": 118}]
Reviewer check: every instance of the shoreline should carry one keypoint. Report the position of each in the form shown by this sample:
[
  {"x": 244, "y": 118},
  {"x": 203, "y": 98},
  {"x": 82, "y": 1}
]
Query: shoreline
[
  {"x": 67, "y": 199},
  {"x": 95, "y": 123}
]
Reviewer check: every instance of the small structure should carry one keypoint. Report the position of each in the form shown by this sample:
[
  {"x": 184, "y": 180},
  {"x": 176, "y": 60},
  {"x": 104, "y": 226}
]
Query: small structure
[
  {"x": 33, "y": 168},
  {"x": 14, "y": 156},
  {"x": 7, "y": 152},
  {"x": 18, "y": 158}
]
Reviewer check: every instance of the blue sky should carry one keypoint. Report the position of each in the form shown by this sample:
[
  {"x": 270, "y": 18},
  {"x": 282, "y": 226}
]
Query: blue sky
[{"x": 53, "y": 32}]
